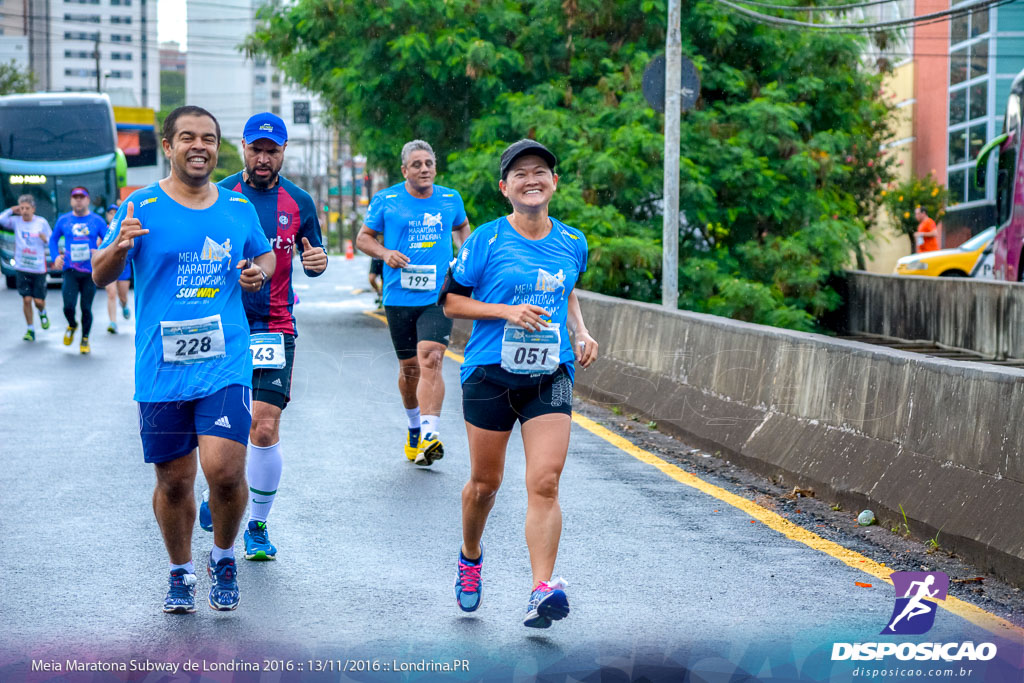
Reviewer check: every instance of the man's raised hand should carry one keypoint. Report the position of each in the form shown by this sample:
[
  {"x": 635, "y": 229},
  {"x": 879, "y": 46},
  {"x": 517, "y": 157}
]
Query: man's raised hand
[{"x": 130, "y": 228}]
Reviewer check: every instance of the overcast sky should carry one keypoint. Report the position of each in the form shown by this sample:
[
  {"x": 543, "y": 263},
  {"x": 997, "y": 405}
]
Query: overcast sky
[{"x": 171, "y": 21}]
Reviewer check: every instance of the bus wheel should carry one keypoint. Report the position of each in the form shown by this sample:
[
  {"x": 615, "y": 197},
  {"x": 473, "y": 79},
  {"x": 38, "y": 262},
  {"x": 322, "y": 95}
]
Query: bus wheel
[{"x": 11, "y": 282}]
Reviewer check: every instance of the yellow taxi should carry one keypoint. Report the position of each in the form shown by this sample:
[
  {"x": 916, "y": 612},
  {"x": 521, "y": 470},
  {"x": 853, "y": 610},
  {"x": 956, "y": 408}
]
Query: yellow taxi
[{"x": 955, "y": 262}]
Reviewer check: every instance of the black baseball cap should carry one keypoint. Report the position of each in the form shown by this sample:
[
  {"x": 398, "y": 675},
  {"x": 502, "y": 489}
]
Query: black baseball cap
[{"x": 522, "y": 148}]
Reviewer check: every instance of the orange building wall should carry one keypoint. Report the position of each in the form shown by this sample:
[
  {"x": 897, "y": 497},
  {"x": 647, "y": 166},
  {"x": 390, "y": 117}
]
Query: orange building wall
[{"x": 931, "y": 92}]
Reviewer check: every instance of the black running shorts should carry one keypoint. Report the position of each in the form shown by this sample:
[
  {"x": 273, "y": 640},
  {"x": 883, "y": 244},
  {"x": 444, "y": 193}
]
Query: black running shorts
[
  {"x": 377, "y": 267},
  {"x": 410, "y": 325},
  {"x": 274, "y": 385},
  {"x": 31, "y": 284},
  {"x": 488, "y": 403}
]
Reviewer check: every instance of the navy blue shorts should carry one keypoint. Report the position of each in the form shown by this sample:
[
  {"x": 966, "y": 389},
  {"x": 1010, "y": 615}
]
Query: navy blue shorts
[{"x": 171, "y": 430}]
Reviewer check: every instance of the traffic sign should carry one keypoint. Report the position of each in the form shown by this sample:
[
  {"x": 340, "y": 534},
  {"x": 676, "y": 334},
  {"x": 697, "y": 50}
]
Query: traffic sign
[{"x": 654, "y": 84}]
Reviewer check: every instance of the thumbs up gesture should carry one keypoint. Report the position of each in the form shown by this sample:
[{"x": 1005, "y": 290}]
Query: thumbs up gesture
[
  {"x": 314, "y": 259},
  {"x": 130, "y": 228}
]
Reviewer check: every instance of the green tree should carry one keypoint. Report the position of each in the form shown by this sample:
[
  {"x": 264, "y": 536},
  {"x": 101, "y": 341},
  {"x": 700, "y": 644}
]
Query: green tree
[
  {"x": 14, "y": 80},
  {"x": 781, "y": 166},
  {"x": 229, "y": 161},
  {"x": 172, "y": 89}
]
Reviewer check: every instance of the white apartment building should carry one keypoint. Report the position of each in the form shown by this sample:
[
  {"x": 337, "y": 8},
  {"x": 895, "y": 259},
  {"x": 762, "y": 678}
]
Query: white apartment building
[
  {"x": 220, "y": 78},
  {"x": 64, "y": 37},
  {"x": 232, "y": 87}
]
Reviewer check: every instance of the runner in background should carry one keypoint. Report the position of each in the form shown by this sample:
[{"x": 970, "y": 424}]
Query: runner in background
[
  {"x": 418, "y": 222},
  {"x": 289, "y": 220},
  {"x": 83, "y": 231},
  {"x": 31, "y": 233}
]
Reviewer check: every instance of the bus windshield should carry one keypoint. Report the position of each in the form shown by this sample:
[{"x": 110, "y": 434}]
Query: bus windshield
[{"x": 31, "y": 132}]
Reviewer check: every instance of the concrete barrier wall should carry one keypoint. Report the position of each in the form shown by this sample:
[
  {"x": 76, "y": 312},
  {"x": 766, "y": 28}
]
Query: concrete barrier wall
[
  {"x": 867, "y": 426},
  {"x": 977, "y": 315}
]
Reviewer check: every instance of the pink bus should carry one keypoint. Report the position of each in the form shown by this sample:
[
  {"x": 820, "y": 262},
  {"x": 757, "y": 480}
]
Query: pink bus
[{"x": 1008, "y": 246}]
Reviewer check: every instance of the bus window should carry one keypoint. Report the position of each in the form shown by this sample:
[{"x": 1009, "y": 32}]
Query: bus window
[{"x": 40, "y": 133}]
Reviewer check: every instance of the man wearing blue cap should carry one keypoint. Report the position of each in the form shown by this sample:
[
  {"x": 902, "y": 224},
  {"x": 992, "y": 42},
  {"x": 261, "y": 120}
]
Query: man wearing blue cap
[{"x": 289, "y": 219}]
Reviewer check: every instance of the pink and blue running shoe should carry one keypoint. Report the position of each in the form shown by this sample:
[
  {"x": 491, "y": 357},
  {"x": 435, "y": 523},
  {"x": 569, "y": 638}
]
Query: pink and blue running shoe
[
  {"x": 224, "y": 591},
  {"x": 467, "y": 582},
  {"x": 181, "y": 596},
  {"x": 548, "y": 603}
]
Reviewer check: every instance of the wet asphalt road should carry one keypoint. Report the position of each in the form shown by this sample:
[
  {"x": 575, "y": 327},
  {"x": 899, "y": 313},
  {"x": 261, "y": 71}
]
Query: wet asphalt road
[{"x": 368, "y": 542}]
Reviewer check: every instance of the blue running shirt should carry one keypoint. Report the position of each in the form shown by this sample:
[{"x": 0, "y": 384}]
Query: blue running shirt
[
  {"x": 186, "y": 270},
  {"x": 422, "y": 230},
  {"x": 81, "y": 235},
  {"x": 503, "y": 267}
]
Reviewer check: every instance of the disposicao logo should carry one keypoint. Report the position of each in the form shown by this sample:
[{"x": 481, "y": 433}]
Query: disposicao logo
[
  {"x": 267, "y": 127},
  {"x": 914, "y": 611},
  {"x": 913, "y": 615}
]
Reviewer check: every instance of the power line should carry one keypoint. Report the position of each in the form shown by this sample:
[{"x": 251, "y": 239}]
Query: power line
[
  {"x": 818, "y": 8},
  {"x": 856, "y": 28}
]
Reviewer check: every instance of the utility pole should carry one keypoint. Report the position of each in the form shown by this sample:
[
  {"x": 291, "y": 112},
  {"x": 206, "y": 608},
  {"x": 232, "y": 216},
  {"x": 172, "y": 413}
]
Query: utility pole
[{"x": 670, "y": 224}]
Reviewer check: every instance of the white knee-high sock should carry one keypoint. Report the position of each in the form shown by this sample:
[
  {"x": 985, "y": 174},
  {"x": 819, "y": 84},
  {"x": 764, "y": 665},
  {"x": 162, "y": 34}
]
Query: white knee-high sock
[{"x": 264, "y": 473}]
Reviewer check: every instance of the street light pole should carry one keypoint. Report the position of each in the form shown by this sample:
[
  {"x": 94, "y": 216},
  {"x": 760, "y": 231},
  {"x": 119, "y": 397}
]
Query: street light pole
[{"x": 670, "y": 224}]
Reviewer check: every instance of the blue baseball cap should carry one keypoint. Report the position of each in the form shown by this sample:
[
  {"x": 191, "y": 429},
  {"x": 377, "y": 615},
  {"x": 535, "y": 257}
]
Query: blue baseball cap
[{"x": 265, "y": 125}]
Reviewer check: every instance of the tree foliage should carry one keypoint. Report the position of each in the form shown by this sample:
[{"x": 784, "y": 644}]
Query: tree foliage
[
  {"x": 229, "y": 161},
  {"x": 14, "y": 80},
  {"x": 172, "y": 89},
  {"x": 781, "y": 167}
]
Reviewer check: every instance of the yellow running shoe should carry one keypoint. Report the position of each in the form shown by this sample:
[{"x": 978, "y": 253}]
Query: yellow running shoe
[
  {"x": 84, "y": 346},
  {"x": 431, "y": 450},
  {"x": 69, "y": 335},
  {"x": 412, "y": 444}
]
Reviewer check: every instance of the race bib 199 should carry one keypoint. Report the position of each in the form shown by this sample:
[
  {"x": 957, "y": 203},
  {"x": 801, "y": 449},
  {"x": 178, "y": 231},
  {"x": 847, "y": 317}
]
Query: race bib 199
[
  {"x": 419, "y": 278},
  {"x": 527, "y": 352},
  {"x": 267, "y": 350},
  {"x": 192, "y": 341},
  {"x": 80, "y": 252}
]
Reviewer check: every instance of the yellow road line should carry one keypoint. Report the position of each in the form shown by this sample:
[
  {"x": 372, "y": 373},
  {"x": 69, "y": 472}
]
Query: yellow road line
[
  {"x": 975, "y": 615},
  {"x": 965, "y": 610}
]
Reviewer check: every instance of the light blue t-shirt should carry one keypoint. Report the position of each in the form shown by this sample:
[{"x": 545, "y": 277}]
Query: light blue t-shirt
[
  {"x": 81, "y": 235},
  {"x": 503, "y": 267},
  {"x": 419, "y": 228},
  {"x": 192, "y": 337}
]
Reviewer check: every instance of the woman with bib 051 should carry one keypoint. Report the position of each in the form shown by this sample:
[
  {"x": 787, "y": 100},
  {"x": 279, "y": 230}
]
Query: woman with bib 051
[{"x": 515, "y": 278}]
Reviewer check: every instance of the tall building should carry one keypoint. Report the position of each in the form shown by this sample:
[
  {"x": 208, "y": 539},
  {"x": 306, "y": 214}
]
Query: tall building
[
  {"x": 950, "y": 85},
  {"x": 90, "y": 45},
  {"x": 221, "y": 78},
  {"x": 171, "y": 57}
]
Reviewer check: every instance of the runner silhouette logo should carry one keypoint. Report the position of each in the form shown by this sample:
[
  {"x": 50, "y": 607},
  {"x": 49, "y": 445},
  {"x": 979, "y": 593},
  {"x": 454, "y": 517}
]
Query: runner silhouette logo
[{"x": 914, "y": 611}]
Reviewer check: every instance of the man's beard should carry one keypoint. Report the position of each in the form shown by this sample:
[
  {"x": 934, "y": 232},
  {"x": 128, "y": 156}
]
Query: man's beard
[{"x": 260, "y": 182}]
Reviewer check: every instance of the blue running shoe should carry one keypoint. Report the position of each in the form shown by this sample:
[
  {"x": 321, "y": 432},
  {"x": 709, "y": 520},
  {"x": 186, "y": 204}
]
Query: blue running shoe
[
  {"x": 467, "y": 582},
  {"x": 224, "y": 591},
  {"x": 257, "y": 542},
  {"x": 547, "y": 603},
  {"x": 181, "y": 596},
  {"x": 205, "y": 518}
]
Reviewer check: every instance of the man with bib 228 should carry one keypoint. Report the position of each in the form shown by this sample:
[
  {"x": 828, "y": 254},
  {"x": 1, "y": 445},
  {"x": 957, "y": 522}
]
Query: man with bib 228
[
  {"x": 82, "y": 231},
  {"x": 515, "y": 278},
  {"x": 288, "y": 216},
  {"x": 419, "y": 222},
  {"x": 194, "y": 247}
]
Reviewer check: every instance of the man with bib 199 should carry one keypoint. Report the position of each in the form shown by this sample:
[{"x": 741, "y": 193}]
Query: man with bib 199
[
  {"x": 194, "y": 248},
  {"x": 419, "y": 222}
]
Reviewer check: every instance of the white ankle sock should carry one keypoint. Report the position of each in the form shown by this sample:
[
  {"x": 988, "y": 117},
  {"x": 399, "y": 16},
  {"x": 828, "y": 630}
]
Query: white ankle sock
[
  {"x": 430, "y": 423},
  {"x": 413, "y": 415},
  {"x": 219, "y": 554}
]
